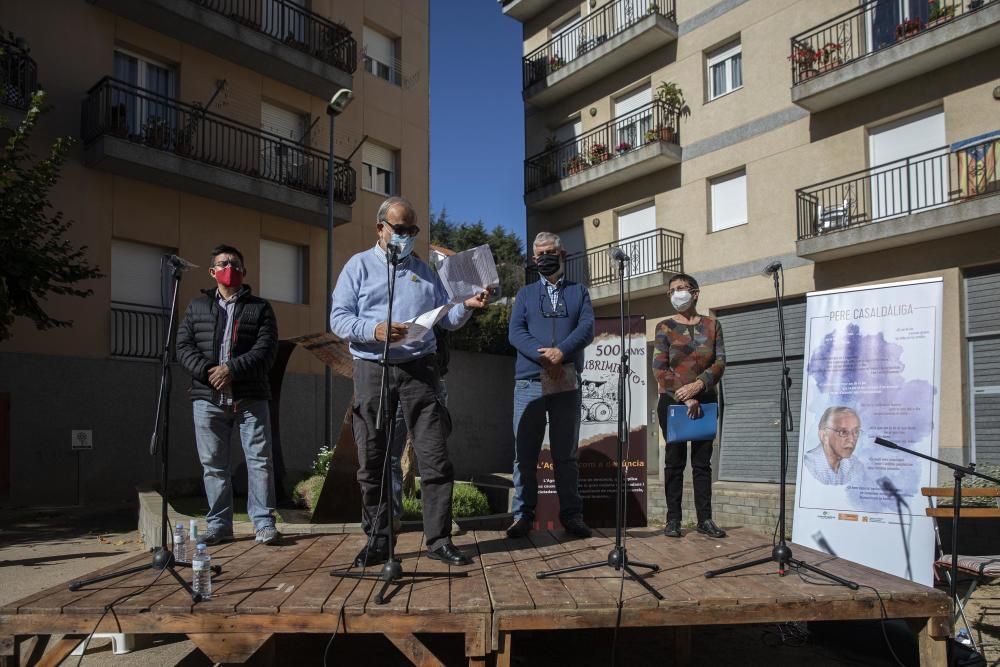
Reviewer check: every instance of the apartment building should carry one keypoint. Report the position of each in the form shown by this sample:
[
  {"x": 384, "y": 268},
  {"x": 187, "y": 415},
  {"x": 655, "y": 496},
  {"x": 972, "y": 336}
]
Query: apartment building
[
  {"x": 856, "y": 142},
  {"x": 198, "y": 122}
]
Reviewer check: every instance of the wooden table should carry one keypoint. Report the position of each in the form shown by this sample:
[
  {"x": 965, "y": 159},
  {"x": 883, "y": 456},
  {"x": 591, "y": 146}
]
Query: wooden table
[{"x": 287, "y": 589}]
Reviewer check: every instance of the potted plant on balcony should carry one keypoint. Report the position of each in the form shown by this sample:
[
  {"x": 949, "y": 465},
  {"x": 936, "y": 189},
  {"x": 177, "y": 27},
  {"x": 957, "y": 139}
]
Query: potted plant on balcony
[
  {"x": 939, "y": 12},
  {"x": 575, "y": 164},
  {"x": 184, "y": 142},
  {"x": 623, "y": 147},
  {"x": 555, "y": 61},
  {"x": 156, "y": 132},
  {"x": 804, "y": 58},
  {"x": 654, "y": 8},
  {"x": 908, "y": 28},
  {"x": 672, "y": 96},
  {"x": 598, "y": 153},
  {"x": 828, "y": 56}
]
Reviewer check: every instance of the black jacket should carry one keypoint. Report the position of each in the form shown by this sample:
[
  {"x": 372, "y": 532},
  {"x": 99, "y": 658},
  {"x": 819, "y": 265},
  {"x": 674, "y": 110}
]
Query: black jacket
[{"x": 255, "y": 331}]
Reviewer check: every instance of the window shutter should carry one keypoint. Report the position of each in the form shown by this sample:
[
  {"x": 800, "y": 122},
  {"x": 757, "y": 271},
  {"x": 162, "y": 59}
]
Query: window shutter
[
  {"x": 380, "y": 47},
  {"x": 378, "y": 156},
  {"x": 729, "y": 201},
  {"x": 632, "y": 101}
]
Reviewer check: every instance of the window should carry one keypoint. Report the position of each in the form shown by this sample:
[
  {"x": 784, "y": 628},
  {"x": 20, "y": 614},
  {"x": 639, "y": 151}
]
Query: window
[
  {"x": 633, "y": 118},
  {"x": 729, "y": 200},
  {"x": 136, "y": 273},
  {"x": 144, "y": 113},
  {"x": 381, "y": 56},
  {"x": 725, "y": 70},
  {"x": 637, "y": 227},
  {"x": 283, "y": 160},
  {"x": 378, "y": 169},
  {"x": 282, "y": 272}
]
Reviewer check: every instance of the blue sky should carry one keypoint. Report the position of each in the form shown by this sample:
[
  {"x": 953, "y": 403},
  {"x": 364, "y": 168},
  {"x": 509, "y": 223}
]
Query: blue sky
[{"x": 477, "y": 117}]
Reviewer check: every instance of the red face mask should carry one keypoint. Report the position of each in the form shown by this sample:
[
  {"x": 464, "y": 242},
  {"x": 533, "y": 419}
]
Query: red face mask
[{"x": 229, "y": 277}]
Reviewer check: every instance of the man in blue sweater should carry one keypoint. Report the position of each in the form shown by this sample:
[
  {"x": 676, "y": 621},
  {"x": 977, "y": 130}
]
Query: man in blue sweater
[
  {"x": 359, "y": 314},
  {"x": 551, "y": 323}
]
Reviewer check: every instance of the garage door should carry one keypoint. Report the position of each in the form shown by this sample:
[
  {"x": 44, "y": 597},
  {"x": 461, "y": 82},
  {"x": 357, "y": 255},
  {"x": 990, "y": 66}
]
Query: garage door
[
  {"x": 982, "y": 321},
  {"x": 750, "y": 442}
]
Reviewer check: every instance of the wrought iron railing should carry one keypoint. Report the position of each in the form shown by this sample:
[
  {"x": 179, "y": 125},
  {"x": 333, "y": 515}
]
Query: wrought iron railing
[
  {"x": 649, "y": 123},
  {"x": 391, "y": 73},
  {"x": 589, "y": 32},
  {"x": 18, "y": 75},
  {"x": 867, "y": 29},
  {"x": 137, "y": 331},
  {"x": 916, "y": 183},
  {"x": 294, "y": 25},
  {"x": 122, "y": 110},
  {"x": 657, "y": 251}
]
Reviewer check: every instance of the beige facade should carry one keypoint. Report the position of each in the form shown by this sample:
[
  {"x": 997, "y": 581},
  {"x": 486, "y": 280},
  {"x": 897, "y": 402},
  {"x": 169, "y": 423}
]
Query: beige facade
[
  {"x": 124, "y": 188},
  {"x": 787, "y": 130}
]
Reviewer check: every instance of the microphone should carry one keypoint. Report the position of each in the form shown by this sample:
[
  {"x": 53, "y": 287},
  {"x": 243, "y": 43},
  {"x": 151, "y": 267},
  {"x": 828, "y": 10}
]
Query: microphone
[
  {"x": 886, "y": 485},
  {"x": 771, "y": 268},
  {"x": 180, "y": 263},
  {"x": 394, "y": 251},
  {"x": 886, "y": 443},
  {"x": 823, "y": 544},
  {"x": 619, "y": 255}
]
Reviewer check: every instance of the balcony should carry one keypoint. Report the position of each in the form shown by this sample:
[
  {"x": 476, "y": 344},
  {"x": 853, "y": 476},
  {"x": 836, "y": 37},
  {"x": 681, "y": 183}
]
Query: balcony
[
  {"x": 597, "y": 45},
  {"x": 654, "y": 258},
  {"x": 137, "y": 331},
  {"x": 638, "y": 143},
  {"x": 872, "y": 47},
  {"x": 277, "y": 38},
  {"x": 944, "y": 192},
  {"x": 138, "y": 134},
  {"x": 18, "y": 80},
  {"x": 522, "y": 10}
]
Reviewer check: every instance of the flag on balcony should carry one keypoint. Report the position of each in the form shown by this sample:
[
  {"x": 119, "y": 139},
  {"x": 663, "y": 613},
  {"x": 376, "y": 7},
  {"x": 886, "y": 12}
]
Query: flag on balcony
[{"x": 976, "y": 160}]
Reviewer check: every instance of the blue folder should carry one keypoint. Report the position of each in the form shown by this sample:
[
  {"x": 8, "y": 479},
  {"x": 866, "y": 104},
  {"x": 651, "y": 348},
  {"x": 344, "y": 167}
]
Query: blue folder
[{"x": 681, "y": 428}]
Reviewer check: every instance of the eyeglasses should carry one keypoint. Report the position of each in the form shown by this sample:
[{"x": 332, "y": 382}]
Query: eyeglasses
[
  {"x": 681, "y": 289},
  {"x": 235, "y": 263},
  {"x": 843, "y": 432},
  {"x": 408, "y": 230},
  {"x": 545, "y": 303}
]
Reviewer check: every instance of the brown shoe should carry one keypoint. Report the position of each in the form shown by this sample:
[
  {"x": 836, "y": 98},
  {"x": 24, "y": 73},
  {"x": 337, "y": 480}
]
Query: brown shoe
[{"x": 520, "y": 528}]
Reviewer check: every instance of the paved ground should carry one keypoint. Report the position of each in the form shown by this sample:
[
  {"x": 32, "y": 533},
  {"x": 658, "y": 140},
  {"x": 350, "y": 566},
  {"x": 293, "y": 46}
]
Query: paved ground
[{"x": 42, "y": 547}]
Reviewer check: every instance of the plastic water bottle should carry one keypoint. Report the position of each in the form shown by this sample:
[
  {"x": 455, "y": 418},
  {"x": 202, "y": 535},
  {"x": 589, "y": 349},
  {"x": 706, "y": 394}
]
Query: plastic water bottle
[
  {"x": 193, "y": 534},
  {"x": 180, "y": 544},
  {"x": 201, "y": 572}
]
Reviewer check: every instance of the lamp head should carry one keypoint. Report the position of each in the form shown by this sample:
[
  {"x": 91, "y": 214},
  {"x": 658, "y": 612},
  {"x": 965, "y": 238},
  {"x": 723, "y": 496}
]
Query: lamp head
[{"x": 339, "y": 101}]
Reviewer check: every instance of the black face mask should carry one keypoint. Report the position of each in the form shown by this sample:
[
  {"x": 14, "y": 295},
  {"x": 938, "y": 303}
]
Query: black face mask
[{"x": 548, "y": 264}]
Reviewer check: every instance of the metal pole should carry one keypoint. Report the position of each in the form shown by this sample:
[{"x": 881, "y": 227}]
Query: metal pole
[{"x": 328, "y": 374}]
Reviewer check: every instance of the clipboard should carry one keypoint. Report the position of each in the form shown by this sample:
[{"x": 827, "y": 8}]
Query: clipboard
[{"x": 681, "y": 428}]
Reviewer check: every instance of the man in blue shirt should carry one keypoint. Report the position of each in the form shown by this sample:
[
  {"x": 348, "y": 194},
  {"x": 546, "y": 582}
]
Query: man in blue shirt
[
  {"x": 360, "y": 309},
  {"x": 551, "y": 324}
]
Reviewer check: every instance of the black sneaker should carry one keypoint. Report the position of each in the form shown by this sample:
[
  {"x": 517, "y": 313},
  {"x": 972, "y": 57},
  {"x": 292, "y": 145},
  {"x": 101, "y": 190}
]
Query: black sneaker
[
  {"x": 214, "y": 536},
  {"x": 708, "y": 527},
  {"x": 577, "y": 527},
  {"x": 373, "y": 553},
  {"x": 520, "y": 528},
  {"x": 673, "y": 528}
]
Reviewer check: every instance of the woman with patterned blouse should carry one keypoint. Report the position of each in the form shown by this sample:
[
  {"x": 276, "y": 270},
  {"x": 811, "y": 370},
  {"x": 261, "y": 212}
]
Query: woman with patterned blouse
[{"x": 689, "y": 361}]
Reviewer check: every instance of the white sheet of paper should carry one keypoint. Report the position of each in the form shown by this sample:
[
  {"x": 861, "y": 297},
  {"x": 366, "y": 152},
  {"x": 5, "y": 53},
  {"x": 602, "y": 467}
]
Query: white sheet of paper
[
  {"x": 468, "y": 273},
  {"x": 421, "y": 324}
]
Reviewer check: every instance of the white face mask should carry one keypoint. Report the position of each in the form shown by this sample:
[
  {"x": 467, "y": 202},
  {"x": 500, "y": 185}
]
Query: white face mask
[{"x": 680, "y": 300}]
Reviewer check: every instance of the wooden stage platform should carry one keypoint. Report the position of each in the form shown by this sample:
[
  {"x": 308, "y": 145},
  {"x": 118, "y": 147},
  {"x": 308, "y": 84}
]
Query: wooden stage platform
[{"x": 287, "y": 589}]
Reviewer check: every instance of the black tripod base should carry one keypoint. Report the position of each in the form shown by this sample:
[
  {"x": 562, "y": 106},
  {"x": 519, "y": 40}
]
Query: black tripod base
[
  {"x": 392, "y": 573},
  {"x": 163, "y": 559},
  {"x": 782, "y": 555},
  {"x": 617, "y": 560}
]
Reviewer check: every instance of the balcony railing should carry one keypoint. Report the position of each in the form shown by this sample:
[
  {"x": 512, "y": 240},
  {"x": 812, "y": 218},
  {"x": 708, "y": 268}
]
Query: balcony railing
[
  {"x": 917, "y": 183},
  {"x": 18, "y": 75},
  {"x": 658, "y": 251},
  {"x": 867, "y": 29},
  {"x": 649, "y": 123},
  {"x": 295, "y": 26},
  {"x": 114, "y": 108},
  {"x": 391, "y": 73},
  {"x": 137, "y": 331},
  {"x": 588, "y": 33}
]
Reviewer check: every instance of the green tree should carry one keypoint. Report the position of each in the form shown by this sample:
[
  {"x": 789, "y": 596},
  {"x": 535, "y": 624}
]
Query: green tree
[{"x": 36, "y": 259}]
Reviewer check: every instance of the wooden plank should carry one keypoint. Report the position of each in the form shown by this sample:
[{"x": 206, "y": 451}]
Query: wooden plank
[
  {"x": 470, "y": 593},
  {"x": 555, "y": 555},
  {"x": 414, "y": 649},
  {"x": 596, "y": 549},
  {"x": 270, "y": 560},
  {"x": 409, "y": 550},
  {"x": 52, "y": 600},
  {"x": 549, "y": 593},
  {"x": 430, "y": 594},
  {"x": 244, "y": 554},
  {"x": 229, "y": 647},
  {"x": 268, "y": 597},
  {"x": 313, "y": 592},
  {"x": 168, "y": 586},
  {"x": 966, "y": 513},
  {"x": 349, "y": 593},
  {"x": 967, "y": 492},
  {"x": 59, "y": 651},
  {"x": 506, "y": 587}
]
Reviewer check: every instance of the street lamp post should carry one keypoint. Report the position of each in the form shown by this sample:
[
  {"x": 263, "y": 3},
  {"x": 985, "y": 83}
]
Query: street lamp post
[{"x": 336, "y": 106}]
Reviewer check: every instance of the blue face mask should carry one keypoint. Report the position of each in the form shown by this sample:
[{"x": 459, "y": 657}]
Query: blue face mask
[{"x": 404, "y": 243}]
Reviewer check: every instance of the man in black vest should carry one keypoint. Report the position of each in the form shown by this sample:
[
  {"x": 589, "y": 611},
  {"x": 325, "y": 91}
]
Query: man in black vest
[{"x": 227, "y": 342}]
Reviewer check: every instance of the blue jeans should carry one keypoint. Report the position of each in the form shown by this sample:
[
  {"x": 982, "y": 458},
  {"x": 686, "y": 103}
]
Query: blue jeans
[
  {"x": 396, "y": 451},
  {"x": 213, "y": 428},
  {"x": 562, "y": 410}
]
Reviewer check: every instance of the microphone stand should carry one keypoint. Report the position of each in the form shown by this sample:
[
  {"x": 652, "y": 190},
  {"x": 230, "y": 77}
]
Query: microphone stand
[
  {"x": 958, "y": 472},
  {"x": 385, "y": 424},
  {"x": 618, "y": 557},
  {"x": 163, "y": 557},
  {"x": 782, "y": 553}
]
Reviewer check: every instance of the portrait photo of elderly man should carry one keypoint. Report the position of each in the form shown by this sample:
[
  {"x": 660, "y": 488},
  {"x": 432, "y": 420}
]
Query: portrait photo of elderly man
[{"x": 833, "y": 461}]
